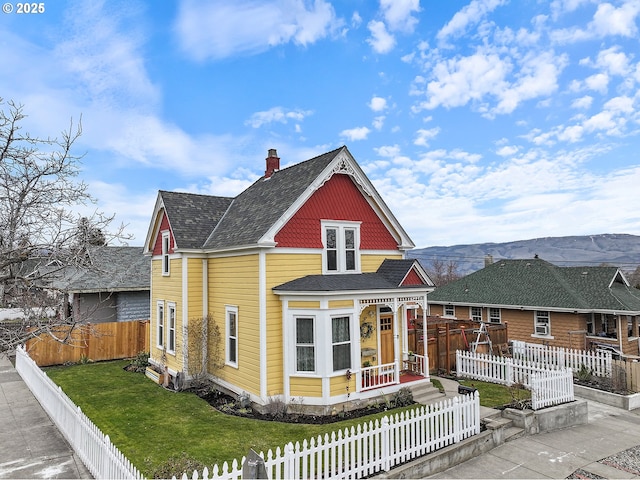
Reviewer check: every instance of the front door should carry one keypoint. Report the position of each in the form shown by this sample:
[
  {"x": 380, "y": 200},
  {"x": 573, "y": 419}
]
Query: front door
[{"x": 386, "y": 339}]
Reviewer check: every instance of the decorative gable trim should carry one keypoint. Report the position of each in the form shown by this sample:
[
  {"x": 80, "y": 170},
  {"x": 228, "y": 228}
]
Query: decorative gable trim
[
  {"x": 156, "y": 228},
  {"x": 344, "y": 163}
]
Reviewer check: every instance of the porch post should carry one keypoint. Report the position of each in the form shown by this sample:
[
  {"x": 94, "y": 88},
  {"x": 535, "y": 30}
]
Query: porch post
[
  {"x": 396, "y": 342},
  {"x": 425, "y": 338}
]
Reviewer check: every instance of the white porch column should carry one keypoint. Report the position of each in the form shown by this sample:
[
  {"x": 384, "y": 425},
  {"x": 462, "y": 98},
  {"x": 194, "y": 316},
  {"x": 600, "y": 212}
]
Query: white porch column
[
  {"x": 396, "y": 341},
  {"x": 425, "y": 338}
]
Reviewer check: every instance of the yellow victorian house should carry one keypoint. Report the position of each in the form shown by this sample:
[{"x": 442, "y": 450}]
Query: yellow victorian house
[{"x": 296, "y": 290}]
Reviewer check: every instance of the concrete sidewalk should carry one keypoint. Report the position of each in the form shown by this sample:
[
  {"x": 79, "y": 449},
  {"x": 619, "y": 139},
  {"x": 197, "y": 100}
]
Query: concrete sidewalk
[
  {"x": 31, "y": 444},
  {"x": 580, "y": 451}
]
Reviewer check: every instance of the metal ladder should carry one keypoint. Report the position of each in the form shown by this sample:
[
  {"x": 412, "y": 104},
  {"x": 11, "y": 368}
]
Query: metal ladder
[{"x": 482, "y": 331}]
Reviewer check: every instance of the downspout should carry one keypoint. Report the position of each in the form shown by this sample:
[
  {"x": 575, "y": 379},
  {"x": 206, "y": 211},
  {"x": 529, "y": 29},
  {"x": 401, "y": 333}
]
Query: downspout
[
  {"x": 205, "y": 316},
  {"x": 425, "y": 339},
  {"x": 396, "y": 342}
]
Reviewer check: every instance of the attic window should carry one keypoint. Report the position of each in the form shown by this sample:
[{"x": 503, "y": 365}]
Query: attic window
[
  {"x": 341, "y": 247},
  {"x": 165, "y": 253}
]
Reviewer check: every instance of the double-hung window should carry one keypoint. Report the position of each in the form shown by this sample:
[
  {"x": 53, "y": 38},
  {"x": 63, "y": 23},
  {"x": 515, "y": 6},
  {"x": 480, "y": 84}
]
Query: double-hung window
[
  {"x": 166, "y": 246},
  {"x": 494, "y": 315},
  {"x": 160, "y": 329},
  {"x": 305, "y": 346},
  {"x": 476, "y": 314},
  {"x": 231, "y": 314},
  {"x": 341, "y": 343},
  {"x": 341, "y": 247},
  {"x": 171, "y": 328},
  {"x": 542, "y": 323},
  {"x": 449, "y": 311}
]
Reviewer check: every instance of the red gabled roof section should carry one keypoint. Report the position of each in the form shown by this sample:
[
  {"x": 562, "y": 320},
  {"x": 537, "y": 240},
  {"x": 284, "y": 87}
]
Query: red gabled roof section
[
  {"x": 338, "y": 199},
  {"x": 164, "y": 226},
  {"x": 412, "y": 278}
]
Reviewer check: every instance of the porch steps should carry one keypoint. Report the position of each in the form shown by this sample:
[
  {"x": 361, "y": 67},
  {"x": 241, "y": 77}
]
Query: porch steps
[{"x": 425, "y": 393}]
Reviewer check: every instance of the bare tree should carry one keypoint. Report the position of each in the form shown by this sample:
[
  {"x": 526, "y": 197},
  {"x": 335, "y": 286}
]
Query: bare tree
[
  {"x": 442, "y": 272},
  {"x": 41, "y": 239}
]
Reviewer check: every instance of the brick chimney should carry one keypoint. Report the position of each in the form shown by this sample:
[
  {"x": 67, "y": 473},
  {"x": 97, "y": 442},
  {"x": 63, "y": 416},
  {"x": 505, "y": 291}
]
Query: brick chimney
[{"x": 273, "y": 163}]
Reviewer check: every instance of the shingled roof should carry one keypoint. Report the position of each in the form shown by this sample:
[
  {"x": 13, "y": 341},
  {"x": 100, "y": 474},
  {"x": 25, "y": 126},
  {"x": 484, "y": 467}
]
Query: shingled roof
[
  {"x": 389, "y": 276},
  {"x": 535, "y": 283},
  {"x": 255, "y": 210},
  {"x": 111, "y": 269}
]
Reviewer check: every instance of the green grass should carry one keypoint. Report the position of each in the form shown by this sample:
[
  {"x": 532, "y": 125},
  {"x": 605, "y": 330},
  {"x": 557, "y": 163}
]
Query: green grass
[
  {"x": 150, "y": 424},
  {"x": 494, "y": 395}
]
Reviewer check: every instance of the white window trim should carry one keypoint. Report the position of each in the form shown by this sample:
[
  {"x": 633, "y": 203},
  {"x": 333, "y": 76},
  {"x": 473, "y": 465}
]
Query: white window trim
[
  {"x": 340, "y": 226},
  {"x": 227, "y": 310},
  {"x": 471, "y": 316},
  {"x": 536, "y": 324},
  {"x": 171, "y": 307},
  {"x": 166, "y": 260},
  {"x": 492, "y": 318},
  {"x": 160, "y": 325},
  {"x": 350, "y": 342},
  {"x": 444, "y": 311},
  {"x": 315, "y": 346}
]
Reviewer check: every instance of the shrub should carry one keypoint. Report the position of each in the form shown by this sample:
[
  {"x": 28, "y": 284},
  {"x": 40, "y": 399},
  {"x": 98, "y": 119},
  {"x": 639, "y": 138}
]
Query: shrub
[
  {"x": 402, "y": 398},
  {"x": 140, "y": 362}
]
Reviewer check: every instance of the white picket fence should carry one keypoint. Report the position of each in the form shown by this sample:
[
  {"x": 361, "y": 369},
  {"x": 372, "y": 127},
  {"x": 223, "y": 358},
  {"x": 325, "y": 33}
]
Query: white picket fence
[
  {"x": 93, "y": 447},
  {"x": 598, "y": 362},
  {"x": 369, "y": 448},
  {"x": 509, "y": 371},
  {"x": 552, "y": 387}
]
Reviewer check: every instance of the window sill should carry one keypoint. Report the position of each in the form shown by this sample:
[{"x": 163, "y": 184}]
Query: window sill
[
  {"x": 232, "y": 365},
  {"x": 546, "y": 337}
]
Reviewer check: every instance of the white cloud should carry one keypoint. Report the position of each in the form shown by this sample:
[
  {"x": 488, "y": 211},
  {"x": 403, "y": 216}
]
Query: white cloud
[
  {"x": 609, "y": 20},
  {"x": 598, "y": 82},
  {"x": 471, "y": 14},
  {"x": 277, "y": 114},
  {"x": 229, "y": 27},
  {"x": 507, "y": 151},
  {"x": 358, "y": 133},
  {"x": 398, "y": 14},
  {"x": 388, "y": 151},
  {"x": 381, "y": 41},
  {"x": 378, "y": 104},
  {"x": 423, "y": 136},
  {"x": 582, "y": 102},
  {"x": 378, "y": 122}
]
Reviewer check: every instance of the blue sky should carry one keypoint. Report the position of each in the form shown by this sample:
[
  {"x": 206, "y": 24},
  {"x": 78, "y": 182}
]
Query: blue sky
[{"x": 480, "y": 121}]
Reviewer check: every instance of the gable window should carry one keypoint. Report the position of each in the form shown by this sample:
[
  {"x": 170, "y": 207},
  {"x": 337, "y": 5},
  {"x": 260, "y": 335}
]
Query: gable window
[
  {"x": 171, "y": 328},
  {"x": 231, "y": 314},
  {"x": 449, "y": 311},
  {"x": 341, "y": 245},
  {"x": 305, "y": 347},
  {"x": 476, "y": 314},
  {"x": 542, "y": 323},
  {"x": 341, "y": 343},
  {"x": 494, "y": 315},
  {"x": 160, "y": 330},
  {"x": 165, "y": 253}
]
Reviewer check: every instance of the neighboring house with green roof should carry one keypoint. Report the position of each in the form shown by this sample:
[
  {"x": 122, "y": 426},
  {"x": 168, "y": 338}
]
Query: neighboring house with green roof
[{"x": 571, "y": 307}]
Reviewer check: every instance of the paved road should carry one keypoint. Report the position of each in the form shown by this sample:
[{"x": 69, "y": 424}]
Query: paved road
[{"x": 30, "y": 444}]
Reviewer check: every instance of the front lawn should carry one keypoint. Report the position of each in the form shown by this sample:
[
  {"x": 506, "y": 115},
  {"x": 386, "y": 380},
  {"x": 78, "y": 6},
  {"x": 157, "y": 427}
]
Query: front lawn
[
  {"x": 494, "y": 395},
  {"x": 151, "y": 425}
]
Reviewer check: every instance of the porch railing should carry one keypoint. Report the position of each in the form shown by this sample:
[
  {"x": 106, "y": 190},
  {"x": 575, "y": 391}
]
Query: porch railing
[{"x": 378, "y": 376}]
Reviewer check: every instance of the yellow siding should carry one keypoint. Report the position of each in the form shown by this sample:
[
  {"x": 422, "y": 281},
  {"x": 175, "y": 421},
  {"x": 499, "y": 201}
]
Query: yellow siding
[
  {"x": 372, "y": 341},
  {"x": 234, "y": 281},
  {"x": 306, "y": 387},
  {"x": 303, "y": 305},
  {"x": 167, "y": 289},
  {"x": 341, "y": 304},
  {"x": 282, "y": 268},
  {"x": 339, "y": 384},
  {"x": 370, "y": 263},
  {"x": 194, "y": 290}
]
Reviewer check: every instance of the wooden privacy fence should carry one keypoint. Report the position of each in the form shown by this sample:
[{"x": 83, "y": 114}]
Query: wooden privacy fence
[
  {"x": 98, "y": 341},
  {"x": 631, "y": 373},
  {"x": 100, "y": 456},
  {"x": 446, "y": 336},
  {"x": 369, "y": 448},
  {"x": 551, "y": 384}
]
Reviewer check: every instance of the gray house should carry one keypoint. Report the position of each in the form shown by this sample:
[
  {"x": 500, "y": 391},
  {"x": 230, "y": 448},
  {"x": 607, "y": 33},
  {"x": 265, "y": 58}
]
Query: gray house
[{"x": 115, "y": 289}]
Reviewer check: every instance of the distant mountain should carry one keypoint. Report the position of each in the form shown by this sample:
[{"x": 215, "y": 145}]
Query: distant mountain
[{"x": 619, "y": 250}]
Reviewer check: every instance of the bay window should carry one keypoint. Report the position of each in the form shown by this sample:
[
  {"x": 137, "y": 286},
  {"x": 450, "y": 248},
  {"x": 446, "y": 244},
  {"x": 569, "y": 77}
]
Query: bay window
[{"x": 341, "y": 343}]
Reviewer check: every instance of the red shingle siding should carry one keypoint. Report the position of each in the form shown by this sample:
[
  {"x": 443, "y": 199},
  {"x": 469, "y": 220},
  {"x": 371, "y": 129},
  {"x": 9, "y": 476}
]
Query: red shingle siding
[
  {"x": 412, "y": 278},
  {"x": 157, "y": 246},
  {"x": 338, "y": 199}
]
